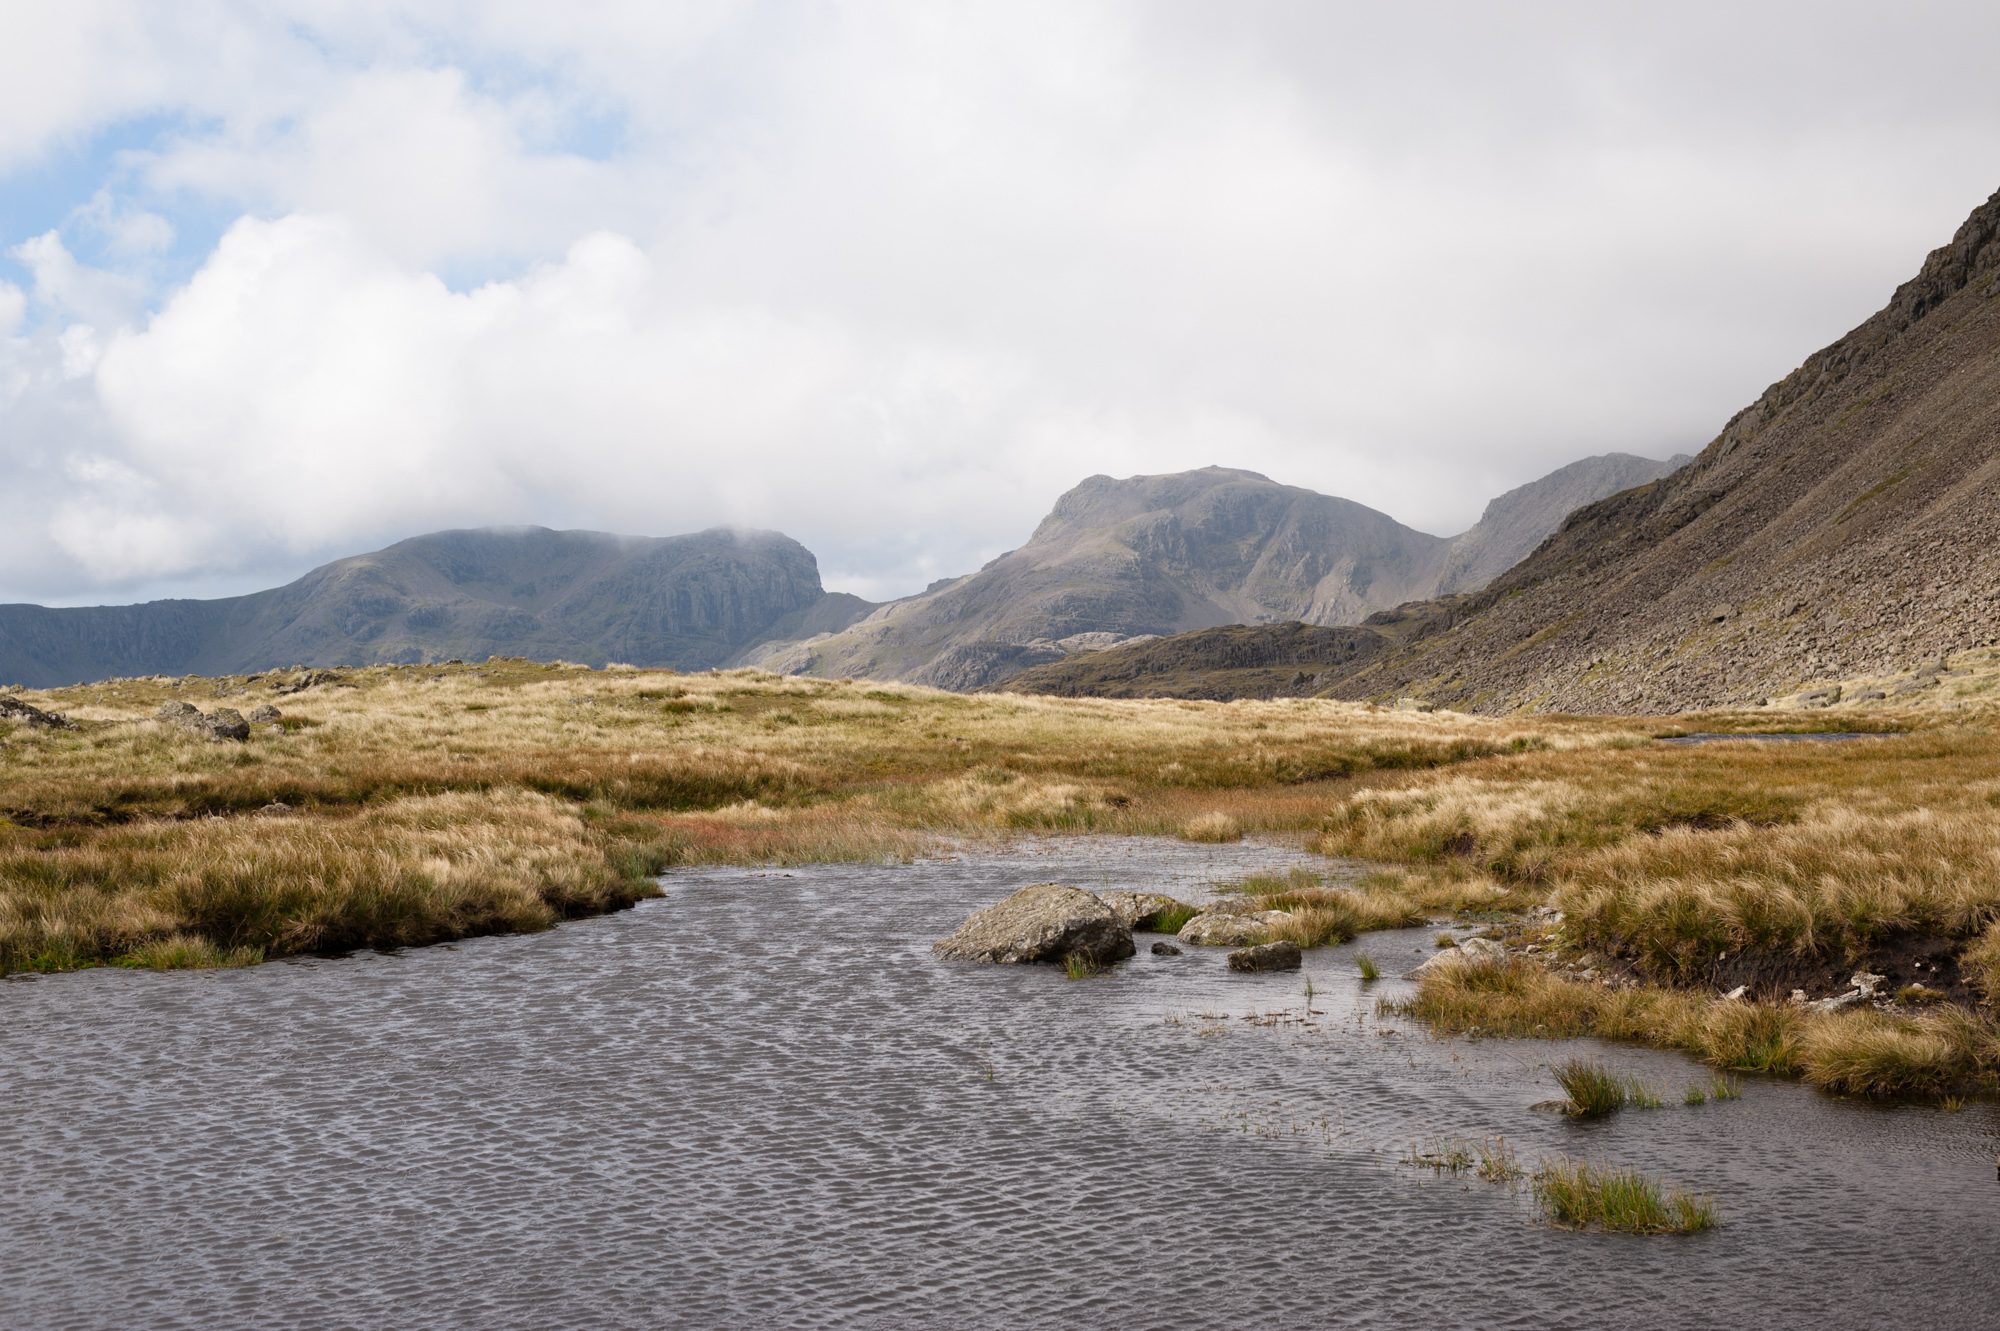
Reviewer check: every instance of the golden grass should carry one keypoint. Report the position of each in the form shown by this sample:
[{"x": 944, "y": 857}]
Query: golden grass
[
  {"x": 216, "y": 891},
  {"x": 429, "y": 802},
  {"x": 1678, "y": 858},
  {"x": 1931, "y": 1054}
]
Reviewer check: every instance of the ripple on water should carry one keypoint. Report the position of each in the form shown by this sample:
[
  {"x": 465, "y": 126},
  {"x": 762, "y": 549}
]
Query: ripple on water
[{"x": 760, "y": 1102}]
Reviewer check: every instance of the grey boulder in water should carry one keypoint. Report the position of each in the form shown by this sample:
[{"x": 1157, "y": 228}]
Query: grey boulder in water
[
  {"x": 1278, "y": 956},
  {"x": 1142, "y": 910},
  {"x": 1048, "y": 922}
]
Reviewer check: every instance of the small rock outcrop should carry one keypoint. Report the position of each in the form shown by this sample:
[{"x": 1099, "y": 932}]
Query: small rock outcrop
[
  {"x": 1048, "y": 922},
  {"x": 1279, "y": 956},
  {"x": 265, "y": 715},
  {"x": 13, "y": 709},
  {"x": 223, "y": 724},
  {"x": 1236, "y": 923},
  {"x": 1142, "y": 910},
  {"x": 1165, "y": 949}
]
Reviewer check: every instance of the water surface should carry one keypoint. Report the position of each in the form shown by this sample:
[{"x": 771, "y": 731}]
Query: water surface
[{"x": 759, "y": 1102}]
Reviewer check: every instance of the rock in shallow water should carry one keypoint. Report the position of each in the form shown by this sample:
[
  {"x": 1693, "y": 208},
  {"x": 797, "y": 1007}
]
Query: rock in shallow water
[
  {"x": 1467, "y": 952},
  {"x": 1141, "y": 910},
  {"x": 1280, "y": 956},
  {"x": 1235, "y": 923},
  {"x": 1165, "y": 950},
  {"x": 1046, "y": 922}
]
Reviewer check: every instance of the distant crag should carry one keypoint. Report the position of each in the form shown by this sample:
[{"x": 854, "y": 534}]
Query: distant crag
[
  {"x": 1119, "y": 560},
  {"x": 689, "y": 602}
]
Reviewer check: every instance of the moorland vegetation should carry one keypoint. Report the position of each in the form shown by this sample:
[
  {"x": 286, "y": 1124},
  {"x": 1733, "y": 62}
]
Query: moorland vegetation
[{"x": 403, "y": 805}]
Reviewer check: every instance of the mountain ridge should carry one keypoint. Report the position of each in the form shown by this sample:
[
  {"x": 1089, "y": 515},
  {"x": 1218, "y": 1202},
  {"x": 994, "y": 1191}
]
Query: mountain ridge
[
  {"x": 689, "y": 601},
  {"x": 1155, "y": 555},
  {"x": 1845, "y": 525}
]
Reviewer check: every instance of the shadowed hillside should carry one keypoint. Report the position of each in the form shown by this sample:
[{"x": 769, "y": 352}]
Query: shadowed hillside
[
  {"x": 683, "y": 601},
  {"x": 1846, "y": 523}
]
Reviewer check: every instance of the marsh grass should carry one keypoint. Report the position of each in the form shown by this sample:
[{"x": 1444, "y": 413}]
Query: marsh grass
[
  {"x": 429, "y": 802},
  {"x": 1928, "y": 1054},
  {"x": 1442, "y": 1155},
  {"x": 1679, "y": 857},
  {"x": 1212, "y": 828},
  {"x": 1364, "y": 963},
  {"x": 1594, "y": 1091},
  {"x": 1575, "y": 1194},
  {"x": 1076, "y": 966},
  {"x": 1497, "y": 1162}
]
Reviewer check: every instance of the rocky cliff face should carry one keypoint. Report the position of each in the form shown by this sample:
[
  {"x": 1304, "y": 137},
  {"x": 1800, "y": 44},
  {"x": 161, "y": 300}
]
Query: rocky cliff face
[
  {"x": 685, "y": 601},
  {"x": 1846, "y": 523},
  {"x": 1158, "y": 555}
]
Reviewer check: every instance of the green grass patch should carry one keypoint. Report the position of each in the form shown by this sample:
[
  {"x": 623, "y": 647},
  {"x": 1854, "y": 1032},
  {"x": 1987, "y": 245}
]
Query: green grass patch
[{"x": 1575, "y": 1194}]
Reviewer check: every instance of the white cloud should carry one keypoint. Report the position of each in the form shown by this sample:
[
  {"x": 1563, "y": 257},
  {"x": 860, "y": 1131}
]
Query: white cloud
[{"x": 890, "y": 277}]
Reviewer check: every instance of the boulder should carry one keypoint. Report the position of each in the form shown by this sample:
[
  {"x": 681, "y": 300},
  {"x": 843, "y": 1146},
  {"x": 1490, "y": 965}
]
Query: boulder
[
  {"x": 227, "y": 723},
  {"x": 1141, "y": 910},
  {"x": 1235, "y": 922},
  {"x": 1825, "y": 697},
  {"x": 16, "y": 710},
  {"x": 224, "y": 723},
  {"x": 264, "y": 715},
  {"x": 1467, "y": 952},
  {"x": 1048, "y": 922},
  {"x": 1279, "y": 956},
  {"x": 1165, "y": 949}
]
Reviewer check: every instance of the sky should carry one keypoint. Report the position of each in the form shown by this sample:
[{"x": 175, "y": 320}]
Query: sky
[{"x": 289, "y": 280}]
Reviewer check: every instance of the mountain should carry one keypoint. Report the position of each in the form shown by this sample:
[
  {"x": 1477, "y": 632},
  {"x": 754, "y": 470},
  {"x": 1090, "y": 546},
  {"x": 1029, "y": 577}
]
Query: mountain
[
  {"x": 1518, "y": 521},
  {"x": 1146, "y": 555},
  {"x": 1159, "y": 555},
  {"x": 685, "y": 601},
  {"x": 1844, "y": 525}
]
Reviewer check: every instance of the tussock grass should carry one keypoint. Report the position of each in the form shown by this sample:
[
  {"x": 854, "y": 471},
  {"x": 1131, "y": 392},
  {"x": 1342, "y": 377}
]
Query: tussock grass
[
  {"x": 1575, "y": 1194},
  {"x": 1594, "y": 1091},
  {"x": 227, "y": 891},
  {"x": 1937, "y": 1052},
  {"x": 1673, "y": 857},
  {"x": 1370, "y": 972},
  {"x": 1212, "y": 828},
  {"x": 429, "y": 802},
  {"x": 1678, "y": 858},
  {"x": 1323, "y": 916},
  {"x": 1442, "y": 1155}
]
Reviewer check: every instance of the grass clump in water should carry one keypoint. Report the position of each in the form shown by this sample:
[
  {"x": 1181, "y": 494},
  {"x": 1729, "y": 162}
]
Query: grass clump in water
[
  {"x": 1575, "y": 1194},
  {"x": 1364, "y": 963},
  {"x": 1442, "y": 1155},
  {"x": 1079, "y": 967},
  {"x": 1595, "y": 1091}
]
